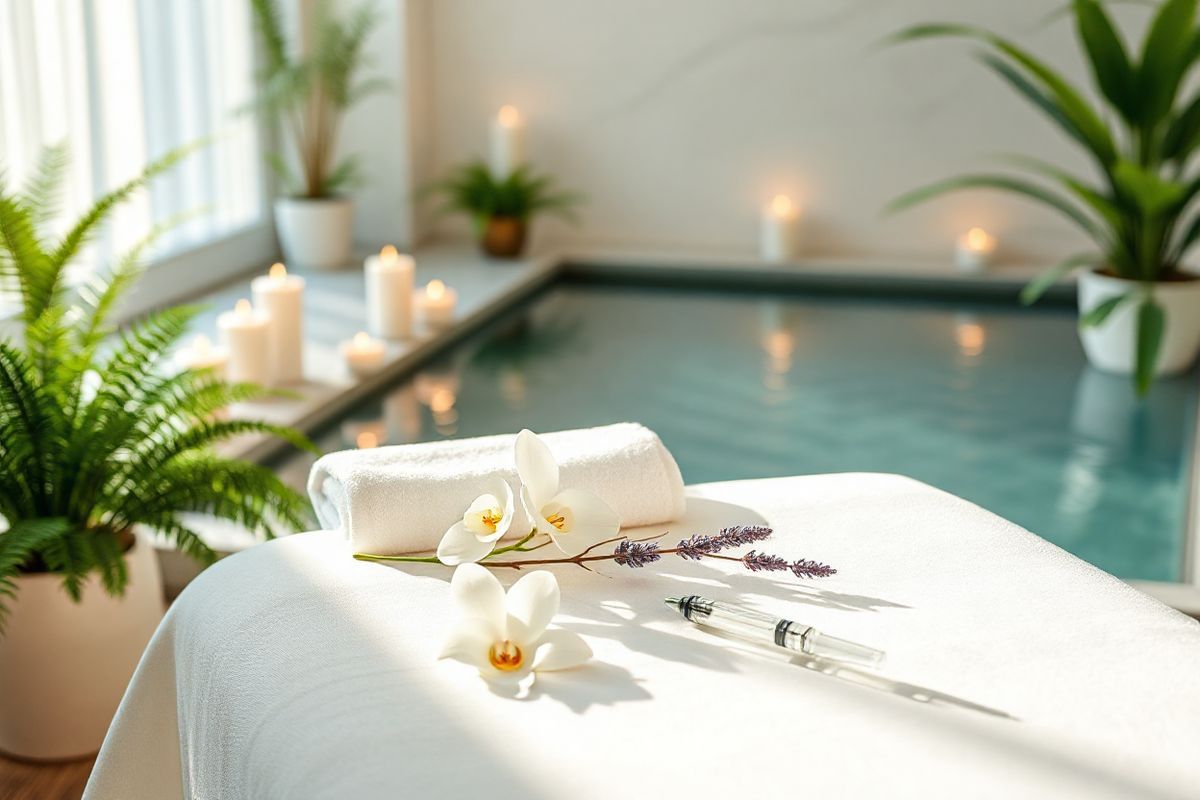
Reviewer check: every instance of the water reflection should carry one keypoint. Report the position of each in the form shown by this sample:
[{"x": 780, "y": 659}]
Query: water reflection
[
  {"x": 402, "y": 414},
  {"x": 438, "y": 391},
  {"x": 364, "y": 434},
  {"x": 779, "y": 344},
  {"x": 1115, "y": 432},
  {"x": 970, "y": 336}
]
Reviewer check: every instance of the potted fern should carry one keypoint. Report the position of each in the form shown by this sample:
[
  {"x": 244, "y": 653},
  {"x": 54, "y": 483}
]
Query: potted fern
[
  {"x": 1139, "y": 306},
  {"x": 98, "y": 448},
  {"x": 500, "y": 209},
  {"x": 309, "y": 94}
]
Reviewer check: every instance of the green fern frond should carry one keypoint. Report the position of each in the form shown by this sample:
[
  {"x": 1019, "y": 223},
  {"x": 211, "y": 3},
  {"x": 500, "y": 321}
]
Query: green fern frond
[
  {"x": 18, "y": 545},
  {"x": 42, "y": 191}
]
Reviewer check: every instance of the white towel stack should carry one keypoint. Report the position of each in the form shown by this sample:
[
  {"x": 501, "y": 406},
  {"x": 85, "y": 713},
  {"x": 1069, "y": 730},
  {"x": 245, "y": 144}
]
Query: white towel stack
[{"x": 401, "y": 499}]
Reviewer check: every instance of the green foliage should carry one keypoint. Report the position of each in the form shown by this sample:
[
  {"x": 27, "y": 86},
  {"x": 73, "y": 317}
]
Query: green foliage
[
  {"x": 95, "y": 438},
  {"x": 309, "y": 94},
  {"x": 472, "y": 189},
  {"x": 1139, "y": 205}
]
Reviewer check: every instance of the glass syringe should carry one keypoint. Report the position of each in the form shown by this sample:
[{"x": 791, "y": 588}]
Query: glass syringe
[{"x": 755, "y": 626}]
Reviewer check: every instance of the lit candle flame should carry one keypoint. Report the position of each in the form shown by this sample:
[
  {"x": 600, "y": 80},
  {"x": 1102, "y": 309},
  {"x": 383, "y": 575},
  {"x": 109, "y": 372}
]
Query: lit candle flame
[
  {"x": 243, "y": 308},
  {"x": 436, "y": 289},
  {"x": 979, "y": 240},
  {"x": 278, "y": 271},
  {"x": 508, "y": 116},
  {"x": 361, "y": 340},
  {"x": 388, "y": 253},
  {"x": 781, "y": 206}
]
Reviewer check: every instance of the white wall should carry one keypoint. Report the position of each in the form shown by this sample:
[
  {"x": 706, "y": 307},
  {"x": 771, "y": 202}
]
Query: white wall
[{"x": 679, "y": 118}]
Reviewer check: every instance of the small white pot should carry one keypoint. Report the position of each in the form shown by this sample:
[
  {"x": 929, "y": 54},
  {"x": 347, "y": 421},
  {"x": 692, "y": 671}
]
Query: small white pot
[
  {"x": 64, "y": 666},
  {"x": 1111, "y": 345},
  {"x": 315, "y": 234}
]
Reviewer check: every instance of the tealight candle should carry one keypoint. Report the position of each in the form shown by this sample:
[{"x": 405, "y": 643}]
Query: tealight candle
[
  {"x": 201, "y": 354},
  {"x": 437, "y": 304},
  {"x": 244, "y": 332},
  {"x": 389, "y": 293},
  {"x": 508, "y": 141},
  {"x": 281, "y": 296},
  {"x": 780, "y": 221},
  {"x": 363, "y": 354},
  {"x": 974, "y": 250}
]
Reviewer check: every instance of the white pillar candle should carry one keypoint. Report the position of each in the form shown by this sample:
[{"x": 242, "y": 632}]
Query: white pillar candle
[
  {"x": 363, "y": 354},
  {"x": 974, "y": 250},
  {"x": 778, "y": 240},
  {"x": 244, "y": 332},
  {"x": 437, "y": 304},
  {"x": 389, "y": 294},
  {"x": 201, "y": 354},
  {"x": 281, "y": 296},
  {"x": 508, "y": 141}
]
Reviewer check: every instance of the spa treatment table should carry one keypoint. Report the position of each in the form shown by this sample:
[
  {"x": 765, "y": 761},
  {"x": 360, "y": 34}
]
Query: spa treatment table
[{"x": 1014, "y": 670}]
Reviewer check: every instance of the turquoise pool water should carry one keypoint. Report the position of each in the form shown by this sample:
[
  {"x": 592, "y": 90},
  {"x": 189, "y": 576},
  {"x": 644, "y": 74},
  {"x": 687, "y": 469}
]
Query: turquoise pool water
[{"x": 990, "y": 402}]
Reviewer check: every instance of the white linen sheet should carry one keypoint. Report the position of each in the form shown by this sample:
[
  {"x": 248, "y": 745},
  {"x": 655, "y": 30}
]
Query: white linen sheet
[{"x": 1014, "y": 670}]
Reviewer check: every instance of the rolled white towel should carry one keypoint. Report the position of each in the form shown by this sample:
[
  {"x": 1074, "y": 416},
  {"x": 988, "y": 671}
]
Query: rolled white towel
[{"x": 401, "y": 499}]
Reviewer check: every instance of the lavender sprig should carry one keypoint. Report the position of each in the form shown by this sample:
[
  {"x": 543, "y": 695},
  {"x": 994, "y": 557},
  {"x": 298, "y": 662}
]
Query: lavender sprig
[
  {"x": 636, "y": 554},
  {"x": 765, "y": 562},
  {"x": 699, "y": 546}
]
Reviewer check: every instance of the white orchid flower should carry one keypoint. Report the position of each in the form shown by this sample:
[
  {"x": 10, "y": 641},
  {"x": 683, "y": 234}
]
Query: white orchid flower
[
  {"x": 487, "y": 519},
  {"x": 506, "y": 636},
  {"x": 554, "y": 511}
]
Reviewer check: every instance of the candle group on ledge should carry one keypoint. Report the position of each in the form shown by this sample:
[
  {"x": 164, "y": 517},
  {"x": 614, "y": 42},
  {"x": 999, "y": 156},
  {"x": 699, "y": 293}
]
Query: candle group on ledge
[
  {"x": 974, "y": 250},
  {"x": 507, "y": 142},
  {"x": 281, "y": 297},
  {"x": 779, "y": 232},
  {"x": 245, "y": 332}
]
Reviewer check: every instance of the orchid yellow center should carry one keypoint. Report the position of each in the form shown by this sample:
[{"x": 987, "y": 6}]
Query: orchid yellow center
[
  {"x": 557, "y": 520},
  {"x": 484, "y": 520},
  {"x": 505, "y": 656}
]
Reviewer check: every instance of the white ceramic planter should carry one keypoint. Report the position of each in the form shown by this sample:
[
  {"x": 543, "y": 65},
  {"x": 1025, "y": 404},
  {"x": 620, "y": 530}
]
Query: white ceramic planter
[
  {"x": 1111, "y": 346},
  {"x": 315, "y": 234},
  {"x": 64, "y": 666}
]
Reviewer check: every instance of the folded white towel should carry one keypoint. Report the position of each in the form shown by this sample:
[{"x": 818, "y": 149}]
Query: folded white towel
[{"x": 401, "y": 499}]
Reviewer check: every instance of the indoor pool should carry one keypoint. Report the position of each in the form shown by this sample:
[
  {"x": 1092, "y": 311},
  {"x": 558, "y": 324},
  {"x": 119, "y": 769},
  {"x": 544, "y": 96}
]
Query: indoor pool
[{"x": 990, "y": 402}]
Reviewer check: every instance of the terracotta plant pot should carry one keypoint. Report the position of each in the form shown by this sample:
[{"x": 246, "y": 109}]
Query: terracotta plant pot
[
  {"x": 64, "y": 666},
  {"x": 504, "y": 237},
  {"x": 1111, "y": 345}
]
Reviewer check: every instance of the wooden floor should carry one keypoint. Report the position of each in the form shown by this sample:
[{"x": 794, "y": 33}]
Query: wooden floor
[{"x": 20, "y": 780}]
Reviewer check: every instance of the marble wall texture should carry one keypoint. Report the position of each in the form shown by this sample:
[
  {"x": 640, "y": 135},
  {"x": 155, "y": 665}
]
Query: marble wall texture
[{"x": 679, "y": 118}]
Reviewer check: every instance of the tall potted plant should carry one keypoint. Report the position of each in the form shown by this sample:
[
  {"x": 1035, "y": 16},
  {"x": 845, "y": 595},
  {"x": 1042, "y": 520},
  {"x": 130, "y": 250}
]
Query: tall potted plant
[
  {"x": 309, "y": 94},
  {"x": 98, "y": 448},
  {"x": 500, "y": 209},
  {"x": 1139, "y": 307}
]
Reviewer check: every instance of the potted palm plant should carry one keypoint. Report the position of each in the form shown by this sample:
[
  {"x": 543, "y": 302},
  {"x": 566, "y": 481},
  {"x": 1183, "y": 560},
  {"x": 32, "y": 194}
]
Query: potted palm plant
[
  {"x": 500, "y": 209},
  {"x": 309, "y": 95},
  {"x": 99, "y": 447},
  {"x": 1139, "y": 307}
]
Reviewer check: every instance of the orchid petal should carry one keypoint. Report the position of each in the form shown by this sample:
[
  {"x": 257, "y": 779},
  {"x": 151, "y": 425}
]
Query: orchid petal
[
  {"x": 591, "y": 516},
  {"x": 531, "y": 603},
  {"x": 561, "y": 649},
  {"x": 534, "y": 513},
  {"x": 479, "y": 595},
  {"x": 536, "y": 467},
  {"x": 468, "y": 642},
  {"x": 460, "y": 546},
  {"x": 504, "y": 493}
]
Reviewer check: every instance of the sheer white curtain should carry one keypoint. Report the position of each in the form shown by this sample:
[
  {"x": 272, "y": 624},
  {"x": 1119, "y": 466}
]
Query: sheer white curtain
[{"x": 122, "y": 81}]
